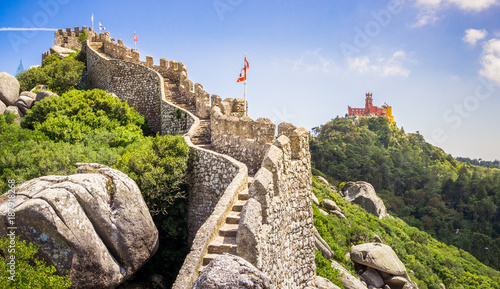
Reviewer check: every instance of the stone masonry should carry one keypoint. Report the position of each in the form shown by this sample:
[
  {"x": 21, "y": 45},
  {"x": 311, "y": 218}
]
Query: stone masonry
[{"x": 275, "y": 228}]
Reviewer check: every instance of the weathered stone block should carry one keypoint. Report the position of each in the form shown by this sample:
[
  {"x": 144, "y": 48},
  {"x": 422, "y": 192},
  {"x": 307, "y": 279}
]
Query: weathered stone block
[
  {"x": 262, "y": 189},
  {"x": 248, "y": 230}
]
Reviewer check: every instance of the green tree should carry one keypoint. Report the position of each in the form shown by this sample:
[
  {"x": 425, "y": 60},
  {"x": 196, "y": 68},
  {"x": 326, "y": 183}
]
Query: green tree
[
  {"x": 60, "y": 75},
  {"x": 158, "y": 166},
  {"x": 86, "y": 116}
]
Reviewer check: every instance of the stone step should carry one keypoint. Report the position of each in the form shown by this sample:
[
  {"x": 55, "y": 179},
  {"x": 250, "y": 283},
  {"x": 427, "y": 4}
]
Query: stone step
[
  {"x": 209, "y": 258},
  {"x": 233, "y": 217},
  {"x": 250, "y": 180},
  {"x": 228, "y": 230},
  {"x": 223, "y": 245},
  {"x": 243, "y": 195},
  {"x": 238, "y": 206}
]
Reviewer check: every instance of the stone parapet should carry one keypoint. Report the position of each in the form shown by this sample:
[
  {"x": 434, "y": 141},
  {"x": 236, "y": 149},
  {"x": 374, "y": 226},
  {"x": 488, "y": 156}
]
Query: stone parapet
[
  {"x": 281, "y": 244},
  {"x": 241, "y": 137},
  {"x": 69, "y": 38}
]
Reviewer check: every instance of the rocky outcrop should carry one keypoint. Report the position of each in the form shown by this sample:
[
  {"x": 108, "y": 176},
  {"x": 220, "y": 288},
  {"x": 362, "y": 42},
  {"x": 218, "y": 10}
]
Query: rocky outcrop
[
  {"x": 379, "y": 265},
  {"x": 9, "y": 88},
  {"x": 93, "y": 226},
  {"x": 29, "y": 94},
  {"x": 378, "y": 256},
  {"x": 228, "y": 272},
  {"x": 364, "y": 195},
  {"x": 331, "y": 205},
  {"x": 43, "y": 94},
  {"x": 3, "y": 107},
  {"x": 63, "y": 52},
  {"x": 15, "y": 110},
  {"x": 322, "y": 245},
  {"x": 347, "y": 279},
  {"x": 24, "y": 103},
  {"x": 326, "y": 183},
  {"x": 323, "y": 283}
]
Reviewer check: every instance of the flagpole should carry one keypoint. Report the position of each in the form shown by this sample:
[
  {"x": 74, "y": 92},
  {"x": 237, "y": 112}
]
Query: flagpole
[
  {"x": 93, "y": 23},
  {"x": 245, "y": 93},
  {"x": 135, "y": 42}
]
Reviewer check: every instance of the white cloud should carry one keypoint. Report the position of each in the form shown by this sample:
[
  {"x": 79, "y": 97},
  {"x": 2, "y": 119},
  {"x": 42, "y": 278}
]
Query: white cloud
[
  {"x": 472, "y": 36},
  {"x": 491, "y": 60},
  {"x": 474, "y": 5},
  {"x": 312, "y": 61},
  {"x": 428, "y": 9},
  {"x": 392, "y": 66}
]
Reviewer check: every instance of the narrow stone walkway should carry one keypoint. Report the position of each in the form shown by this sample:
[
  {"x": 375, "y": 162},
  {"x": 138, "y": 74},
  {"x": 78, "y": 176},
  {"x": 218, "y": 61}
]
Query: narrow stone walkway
[
  {"x": 202, "y": 136},
  {"x": 225, "y": 242}
]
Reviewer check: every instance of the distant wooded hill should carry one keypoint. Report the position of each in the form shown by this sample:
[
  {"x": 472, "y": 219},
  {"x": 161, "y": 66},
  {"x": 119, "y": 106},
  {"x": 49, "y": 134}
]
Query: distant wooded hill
[{"x": 456, "y": 202}]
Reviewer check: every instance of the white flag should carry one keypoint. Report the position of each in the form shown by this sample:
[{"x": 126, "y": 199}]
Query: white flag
[{"x": 101, "y": 27}]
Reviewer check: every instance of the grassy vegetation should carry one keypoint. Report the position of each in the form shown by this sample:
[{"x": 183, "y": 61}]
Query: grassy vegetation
[
  {"x": 432, "y": 262},
  {"x": 457, "y": 203}
]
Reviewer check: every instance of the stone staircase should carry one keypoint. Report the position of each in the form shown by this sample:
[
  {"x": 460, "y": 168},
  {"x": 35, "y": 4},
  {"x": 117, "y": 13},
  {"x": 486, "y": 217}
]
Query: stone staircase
[
  {"x": 225, "y": 242},
  {"x": 202, "y": 136}
]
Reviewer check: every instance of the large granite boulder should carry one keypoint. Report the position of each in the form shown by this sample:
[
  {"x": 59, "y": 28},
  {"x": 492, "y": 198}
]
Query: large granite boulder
[
  {"x": 378, "y": 256},
  {"x": 9, "y": 88},
  {"x": 322, "y": 245},
  {"x": 24, "y": 103},
  {"x": 347, "y": 279},
  {"x": 3, "y": 107},
  {"x": 331, "y": 205},
  {"x": 323, "y": 283},
  {"x": 29, "y": 94},
  {"x": 63, "y": 52},
  {"x": 93, "y": 226},
  {"x": 43, "y": 94},
  {"x": 15, "y": 110},
  {"x": 364, "y": 195},
  {"x": 228, "y": 272}
]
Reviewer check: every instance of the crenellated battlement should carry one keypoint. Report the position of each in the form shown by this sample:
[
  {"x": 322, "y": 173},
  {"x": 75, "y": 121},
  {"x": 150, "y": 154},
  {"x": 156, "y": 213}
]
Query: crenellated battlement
[
  {"x": 278, "y": 156},
  {"x": 246, "y": 139},
  {"x": 69, "y": 38}
]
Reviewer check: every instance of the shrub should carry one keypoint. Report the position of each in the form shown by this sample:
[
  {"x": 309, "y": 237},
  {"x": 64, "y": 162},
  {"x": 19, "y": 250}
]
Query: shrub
[
  {"x": 27, "y": 154},
  {"x": 60, "y": 75},
  {"x": 158, "y": 167},
  {"x": 86, "y": 116},
  {"x": 325, "y": 270},
  {"x": 30, "y": 272}
]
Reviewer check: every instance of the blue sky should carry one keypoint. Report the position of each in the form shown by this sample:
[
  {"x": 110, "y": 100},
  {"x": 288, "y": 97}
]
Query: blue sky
[{"x": 437, "y": 62}]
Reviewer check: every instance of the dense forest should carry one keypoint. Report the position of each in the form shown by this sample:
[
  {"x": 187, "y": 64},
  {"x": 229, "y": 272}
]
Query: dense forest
[
  {"x": 455, "y": 202},
  {"x": 429, "y": 262},
  {"x": 80, "y": 125},
  {"x": 480, "y": 162}
]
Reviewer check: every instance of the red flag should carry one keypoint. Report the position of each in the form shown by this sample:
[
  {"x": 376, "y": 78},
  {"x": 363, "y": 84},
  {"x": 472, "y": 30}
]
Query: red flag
[
  {"x": 244, "y": 71},
  {"x": 135, "y": 37}
]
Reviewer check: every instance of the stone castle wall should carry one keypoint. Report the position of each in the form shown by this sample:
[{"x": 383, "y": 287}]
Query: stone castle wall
[
  {"x": 215, "y": 179},
  {"x": 69, "y": 38},
  {"x": 131, "y": 82},
  {"x": 283, "y": 246},
  {"x": 241, "y": 137},
  {"x": 276, "y": 225}
]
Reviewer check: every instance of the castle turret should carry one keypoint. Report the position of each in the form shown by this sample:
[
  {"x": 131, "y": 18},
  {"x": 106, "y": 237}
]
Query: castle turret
[{"x": 369, "y": 102}]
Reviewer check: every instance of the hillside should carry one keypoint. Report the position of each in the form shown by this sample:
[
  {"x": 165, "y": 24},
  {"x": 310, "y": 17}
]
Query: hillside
[
  {"x": 432, "y": 262},
  {"x": 455, "y": 202}
]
